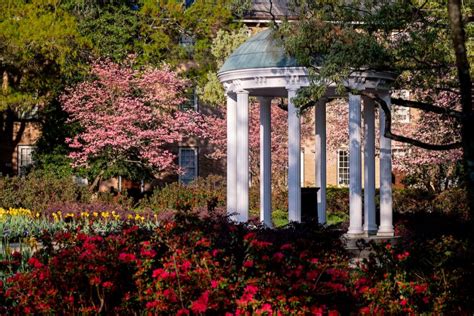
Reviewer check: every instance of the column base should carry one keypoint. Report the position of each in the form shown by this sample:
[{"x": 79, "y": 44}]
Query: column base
[
  {"x": 355, "y": 232},
  {"x": 239, "y": 218},
  {"x": 386, "y": 232},
  {"x": 370, "y": 233},
  {"x": 371, "y": 230}
]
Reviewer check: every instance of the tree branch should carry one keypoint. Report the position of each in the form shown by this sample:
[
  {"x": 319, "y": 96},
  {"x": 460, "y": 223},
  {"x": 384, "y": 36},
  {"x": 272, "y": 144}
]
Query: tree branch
[
  {"x": 403, "y": 139},
  {"x": 428, "y": 107}
]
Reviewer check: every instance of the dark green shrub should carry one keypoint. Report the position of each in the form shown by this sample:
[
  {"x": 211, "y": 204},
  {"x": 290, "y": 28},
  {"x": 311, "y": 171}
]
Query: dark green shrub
[
  {"x": 453, "y": 202},
  {"x": 337, "y": 199},
  {"x": 185, "y": 197},
  {"x": 38, "y": 190},
  {"x": 412, "y": 200},
  {"x": 122, "y": 200}
]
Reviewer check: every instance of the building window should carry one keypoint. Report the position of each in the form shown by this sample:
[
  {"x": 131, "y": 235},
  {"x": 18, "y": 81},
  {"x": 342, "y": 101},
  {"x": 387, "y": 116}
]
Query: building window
[
  {"x": 25, "y": 158},
  {"x": 192, "y": 101},
  {"x": 188, "y": 165},
  {"x": 401, "y": 114},
  {"x": 342, "y": 167}
]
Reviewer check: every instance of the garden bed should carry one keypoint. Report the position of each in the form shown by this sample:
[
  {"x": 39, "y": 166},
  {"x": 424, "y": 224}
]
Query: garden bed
[{"x": 195, "y": 263}]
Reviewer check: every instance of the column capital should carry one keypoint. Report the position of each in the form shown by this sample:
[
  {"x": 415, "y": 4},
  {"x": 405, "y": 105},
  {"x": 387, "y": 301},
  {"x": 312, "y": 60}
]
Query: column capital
[
  {"x": 292, "y": 88},
  {"x": 241, "y": 91}
]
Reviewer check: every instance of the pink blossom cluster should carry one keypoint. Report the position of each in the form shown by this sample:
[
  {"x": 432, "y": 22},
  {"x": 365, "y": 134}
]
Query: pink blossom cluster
[{"x": 436, "y": 129}]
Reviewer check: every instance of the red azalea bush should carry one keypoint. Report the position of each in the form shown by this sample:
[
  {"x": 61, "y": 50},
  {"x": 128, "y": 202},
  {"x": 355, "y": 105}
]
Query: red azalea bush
[
  {"x": 190, "y": 265},
  {"x": 197, "y": 264}
]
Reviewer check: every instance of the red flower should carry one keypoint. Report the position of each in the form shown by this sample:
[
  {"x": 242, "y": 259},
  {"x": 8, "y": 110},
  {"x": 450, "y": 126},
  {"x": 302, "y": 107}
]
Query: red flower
[
  {"x": 95, "y": 280},
  {"x": 286, "y": 246},
  {"x": 186, "y": 265},
  {"x": 317, "y": 311},
  {"x": 35, "y": 263},
  {"x": 127, "y": 257},
  {"x": 248, "y": 264},
  {"x": 170, "y": 295},
  {"x": 249, "y": 236},
  {"x": 312, "y": 275},
  {"x": 333, "y": 313},
  {"x": 364, "y": 310},
  {"x": 266, "y": 308},
  {"x": 148, "y": 253},
  {"x": 200, "y": 305},
  {"x": 151, "y": 305},
  {"x": 403, "y": 256},
  {"x": 203, "y": 242},
  {"x": 182, "y": 311},
  {"x": 107, "y": 284},
  {"x": 157, "y": 273},
  {"x": 16, "y": 255},
  {"x": 278, "y": 256},
  {"x": 403, "y": 302},
  {"x": 420, "y": 288},
  {"x": 251, "y": 289}
]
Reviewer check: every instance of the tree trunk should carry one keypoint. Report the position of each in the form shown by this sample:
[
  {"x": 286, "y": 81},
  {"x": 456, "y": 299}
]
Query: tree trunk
[
  {"x": 96, "y": 181},
  {"x": 465, "y": 83}
]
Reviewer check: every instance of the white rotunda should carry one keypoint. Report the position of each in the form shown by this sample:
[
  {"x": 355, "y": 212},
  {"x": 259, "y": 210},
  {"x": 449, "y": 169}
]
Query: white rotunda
[{"x": 261, "y": 68}]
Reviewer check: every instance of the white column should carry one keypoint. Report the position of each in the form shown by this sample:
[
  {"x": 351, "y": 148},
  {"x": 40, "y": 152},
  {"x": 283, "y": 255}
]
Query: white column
[
  {"x": 294, "y": 159},
  {"x": 242, "y": 157},
  {"x": 369, "y": 167},
  {"x": 355, "y": 187},
  {"x": 231, "y": 153},
  {"x": 265, "y": 162},
  {"x": 321, "y": 158},
  {"x": 386, "y": 225}
]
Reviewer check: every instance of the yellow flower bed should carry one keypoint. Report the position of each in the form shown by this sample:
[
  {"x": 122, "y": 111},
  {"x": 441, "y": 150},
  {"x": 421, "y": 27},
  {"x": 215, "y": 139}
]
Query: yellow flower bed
[
  {"x": 59, "y": 215},
  {"x": 17, "y": 212}
]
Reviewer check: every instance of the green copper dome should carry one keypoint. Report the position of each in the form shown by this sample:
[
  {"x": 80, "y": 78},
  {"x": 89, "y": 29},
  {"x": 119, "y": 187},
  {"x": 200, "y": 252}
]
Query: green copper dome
[{"x": 260, "y": 51}]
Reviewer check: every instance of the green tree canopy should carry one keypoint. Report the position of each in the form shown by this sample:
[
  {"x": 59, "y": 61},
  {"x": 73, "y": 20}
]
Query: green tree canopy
[
  {"x": 411, "y": 38},
  {"x": 40, "y": 49}
]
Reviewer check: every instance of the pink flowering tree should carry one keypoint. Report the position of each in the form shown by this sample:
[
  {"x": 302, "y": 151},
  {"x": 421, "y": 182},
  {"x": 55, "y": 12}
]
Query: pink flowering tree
[
  {"x": 129, "y": 120},
  {"x": 434, "y": 170}
]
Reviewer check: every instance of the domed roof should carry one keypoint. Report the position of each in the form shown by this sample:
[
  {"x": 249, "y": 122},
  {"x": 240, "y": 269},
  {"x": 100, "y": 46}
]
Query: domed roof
[{"x": 260, "y": 51}]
